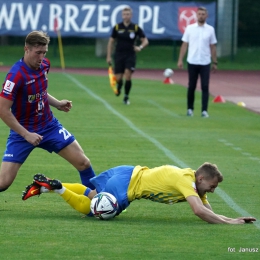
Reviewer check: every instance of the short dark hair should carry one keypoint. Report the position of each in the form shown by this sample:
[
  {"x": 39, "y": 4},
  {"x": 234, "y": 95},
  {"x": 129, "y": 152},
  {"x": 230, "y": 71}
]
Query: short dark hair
[
  {"x": 209, "y": 171},
  {"x": 36, "y": 38}
]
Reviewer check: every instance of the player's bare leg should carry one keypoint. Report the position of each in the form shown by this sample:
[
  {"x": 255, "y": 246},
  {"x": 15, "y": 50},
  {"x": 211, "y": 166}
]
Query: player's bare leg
[
  {"x": 8, "y": 173},
  {"x": 75, "y": 155}
]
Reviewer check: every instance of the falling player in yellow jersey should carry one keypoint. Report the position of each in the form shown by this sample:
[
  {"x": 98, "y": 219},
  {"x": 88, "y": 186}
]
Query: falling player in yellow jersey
[{"x": 165, "y": 184}]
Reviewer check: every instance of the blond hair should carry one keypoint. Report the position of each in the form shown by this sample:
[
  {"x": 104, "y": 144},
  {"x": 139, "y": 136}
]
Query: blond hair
[
  {"x": 202, "y": 8},
  {"x": 36, "y": 38},
  {"x": 127, "y": 9},
  {"x": 209, "y": 171}
]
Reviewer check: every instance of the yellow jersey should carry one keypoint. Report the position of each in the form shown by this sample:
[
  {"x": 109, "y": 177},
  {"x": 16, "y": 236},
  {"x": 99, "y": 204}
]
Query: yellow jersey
[{"x": 165, "y": 184}]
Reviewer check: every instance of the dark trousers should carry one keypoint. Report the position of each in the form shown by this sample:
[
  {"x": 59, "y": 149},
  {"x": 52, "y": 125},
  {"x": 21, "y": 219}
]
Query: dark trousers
[{"x": 194, "y": 72}]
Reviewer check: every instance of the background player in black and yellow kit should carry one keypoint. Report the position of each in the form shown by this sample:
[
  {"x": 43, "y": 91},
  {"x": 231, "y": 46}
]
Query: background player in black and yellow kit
[{"x": 125, "y": 34}]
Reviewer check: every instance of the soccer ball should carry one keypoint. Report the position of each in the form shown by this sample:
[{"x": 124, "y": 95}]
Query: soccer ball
[
  {"x": 167, "y": 73},
  {"x": 104, "y": 205}
]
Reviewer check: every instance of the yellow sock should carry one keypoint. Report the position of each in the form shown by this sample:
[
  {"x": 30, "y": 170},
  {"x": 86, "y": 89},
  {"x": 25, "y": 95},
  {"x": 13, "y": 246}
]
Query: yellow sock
[
  {"x": 75, "y": 187},
  {"x": 81, "y": 203}
]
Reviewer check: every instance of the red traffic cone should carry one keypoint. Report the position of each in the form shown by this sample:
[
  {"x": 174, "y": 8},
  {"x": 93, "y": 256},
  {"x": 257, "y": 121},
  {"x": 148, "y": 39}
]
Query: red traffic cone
[
  {"x": 219, "y": 99},
  {"x": 168, "y": 81}
]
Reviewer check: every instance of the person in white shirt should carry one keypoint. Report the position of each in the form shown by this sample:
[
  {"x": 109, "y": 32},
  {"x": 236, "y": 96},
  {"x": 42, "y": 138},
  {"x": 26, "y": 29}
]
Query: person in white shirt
[{"x": 200, "y": 40}]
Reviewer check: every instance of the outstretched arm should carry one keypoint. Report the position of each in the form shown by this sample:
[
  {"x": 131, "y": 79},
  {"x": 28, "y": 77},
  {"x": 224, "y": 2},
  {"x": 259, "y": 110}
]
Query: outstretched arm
[
  {"x": 246, "y": 219},
  {"x": 209, "y": 216}
]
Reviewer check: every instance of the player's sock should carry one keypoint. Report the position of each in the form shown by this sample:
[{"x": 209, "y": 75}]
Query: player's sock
[
  {"x": 60, "y": 191},
  {"x": 76, "y": 187},
  {"x": 44, "y": 190},
  {"x": 87, "y": 191},
  {"x": 128, "y": 85},
  {"x": 85, "y": 176},
  {"x": 81, "y": 203}
]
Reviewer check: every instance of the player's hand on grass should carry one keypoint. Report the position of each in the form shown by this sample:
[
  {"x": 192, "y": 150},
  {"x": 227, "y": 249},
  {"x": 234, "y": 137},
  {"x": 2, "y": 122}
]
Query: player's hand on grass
[
  {"x": 247, "y": 219},
  {"x": 65, "y": 105},
  {"x": 236, "y": 221},
  {"x": 241, "y": 220}
]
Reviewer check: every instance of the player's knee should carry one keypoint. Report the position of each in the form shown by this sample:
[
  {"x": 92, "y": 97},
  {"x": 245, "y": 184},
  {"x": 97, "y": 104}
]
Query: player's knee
[
  {"x": 128, "y": 76},
  {"x": 84, "y": 164}
]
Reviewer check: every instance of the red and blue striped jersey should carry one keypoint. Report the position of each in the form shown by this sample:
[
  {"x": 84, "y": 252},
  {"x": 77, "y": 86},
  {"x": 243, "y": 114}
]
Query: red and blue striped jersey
[{"x": 27, "y": 89}]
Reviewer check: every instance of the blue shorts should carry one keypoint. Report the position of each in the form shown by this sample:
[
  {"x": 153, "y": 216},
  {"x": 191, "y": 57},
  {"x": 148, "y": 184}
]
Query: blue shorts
[
  {"x": 55, "y": 138},
  {"x": 115, "y": 181}
]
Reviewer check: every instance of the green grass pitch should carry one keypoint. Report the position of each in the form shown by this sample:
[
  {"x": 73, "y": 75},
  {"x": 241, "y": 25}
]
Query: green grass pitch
[{"x": 152, "y": 131}]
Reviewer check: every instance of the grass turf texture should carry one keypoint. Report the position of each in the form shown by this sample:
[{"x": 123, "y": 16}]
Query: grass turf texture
[
  {"x": 152, "y": 57},
  {"x": 113, "y": 134}
]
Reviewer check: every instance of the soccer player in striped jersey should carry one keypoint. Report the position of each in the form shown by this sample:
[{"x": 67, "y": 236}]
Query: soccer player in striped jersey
[{"x": 25, "y": 109}]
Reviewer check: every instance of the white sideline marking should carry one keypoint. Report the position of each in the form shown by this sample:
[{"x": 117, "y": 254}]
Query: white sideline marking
[
  {"x": 248, "y": 155},
  {"x": 167, "y": 152}
]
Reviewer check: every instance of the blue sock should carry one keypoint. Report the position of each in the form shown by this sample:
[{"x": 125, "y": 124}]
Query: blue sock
[
  {"x": 87, "y": 191},
  {"x": 85, "y": 176}
]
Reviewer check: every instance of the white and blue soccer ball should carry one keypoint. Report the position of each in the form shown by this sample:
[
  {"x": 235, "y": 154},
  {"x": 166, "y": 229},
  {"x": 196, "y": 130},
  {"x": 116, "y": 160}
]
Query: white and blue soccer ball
[
  {"x": 104, "y": 205},
  {"x": 168, "y": 73}
]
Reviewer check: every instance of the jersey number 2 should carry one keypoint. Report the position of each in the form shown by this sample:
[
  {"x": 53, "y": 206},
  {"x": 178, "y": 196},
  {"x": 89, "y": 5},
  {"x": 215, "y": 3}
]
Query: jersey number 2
[{"x": 65, "y": 133}]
